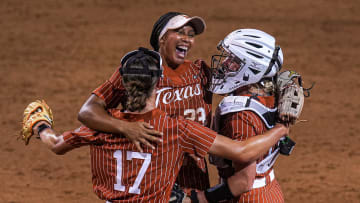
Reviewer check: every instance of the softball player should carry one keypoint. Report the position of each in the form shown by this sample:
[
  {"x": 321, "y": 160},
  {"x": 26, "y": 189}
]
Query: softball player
[
  {"x": 123, "y": 174},
  {"x": 181, "y": 92},
  {"x": 248, "y": 64}
]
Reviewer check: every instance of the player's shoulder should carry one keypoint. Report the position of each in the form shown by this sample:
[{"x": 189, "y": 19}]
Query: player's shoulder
[
  {"x": 170, "y": 125},
  {"x": 179, "y": 121},
  {"x": 164, "y": 116},
  {"x": 199, "y": 63},
  {"x": 117, "y": 71},
  {"x": 247, "y": 117},
  {"x": 176, "y": 118},
  {"x": 116, "y": 77},
  {"x": 203, "y": 70},
  {"x": 242, "y": 107}
]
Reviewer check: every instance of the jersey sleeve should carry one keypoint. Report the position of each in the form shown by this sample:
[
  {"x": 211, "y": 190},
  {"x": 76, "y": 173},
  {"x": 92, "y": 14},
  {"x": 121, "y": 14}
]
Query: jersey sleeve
[
  {"x": 241, "y": 125},
  {"x": 82, "y": 136},
  {"x": 112, "y": 91},
  {"x": 196, "y": 139}
]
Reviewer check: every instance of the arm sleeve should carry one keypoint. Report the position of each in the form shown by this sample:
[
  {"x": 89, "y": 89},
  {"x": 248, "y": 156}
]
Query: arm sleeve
[
  {"x": 196, "y": 139},
  {"x": 82, "y": 136},
  {"x": 112, "y": 91}
]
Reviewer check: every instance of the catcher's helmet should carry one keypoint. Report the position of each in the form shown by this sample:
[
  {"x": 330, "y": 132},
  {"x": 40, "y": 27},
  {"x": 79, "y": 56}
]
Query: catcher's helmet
[{"x": 247, "y": 56}]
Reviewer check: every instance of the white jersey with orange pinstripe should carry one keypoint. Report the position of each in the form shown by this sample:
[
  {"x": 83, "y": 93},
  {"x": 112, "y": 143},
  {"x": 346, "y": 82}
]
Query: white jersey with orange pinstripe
[
  {"x": 181, "y": 92},
  {"x": 241, "y": 126},
  {"x": 122, "y": 174}
]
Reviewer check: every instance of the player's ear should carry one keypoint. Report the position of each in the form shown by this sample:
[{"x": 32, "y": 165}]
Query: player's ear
[{"x": 162, "y": 40}]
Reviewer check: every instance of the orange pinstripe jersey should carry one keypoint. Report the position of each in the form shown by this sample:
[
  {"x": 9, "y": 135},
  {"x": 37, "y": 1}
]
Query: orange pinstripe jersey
[
  {"x": 122, "y": 174},
  {"x": 181, "y": 92}
]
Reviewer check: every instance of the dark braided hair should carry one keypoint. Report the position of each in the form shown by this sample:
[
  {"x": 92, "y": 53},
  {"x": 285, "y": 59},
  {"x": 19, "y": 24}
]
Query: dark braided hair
[{"x": 138, "y": 86}]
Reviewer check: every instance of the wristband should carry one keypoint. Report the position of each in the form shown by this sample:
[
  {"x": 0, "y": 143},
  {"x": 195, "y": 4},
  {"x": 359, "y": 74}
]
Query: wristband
[
  {"x": 219, "y": 193},
  {"x": 193, "y": 197},
  {"x": 42, "y": 127},
  {"x": 286, "y": 146}
]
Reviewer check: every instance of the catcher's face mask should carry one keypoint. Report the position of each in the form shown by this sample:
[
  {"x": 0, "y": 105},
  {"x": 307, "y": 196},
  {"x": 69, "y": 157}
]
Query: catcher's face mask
[{"x": 225, "y": 64}]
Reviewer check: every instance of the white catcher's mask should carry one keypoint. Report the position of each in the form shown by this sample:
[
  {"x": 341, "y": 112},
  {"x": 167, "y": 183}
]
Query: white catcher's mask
[{"x": 247, "y": 56}]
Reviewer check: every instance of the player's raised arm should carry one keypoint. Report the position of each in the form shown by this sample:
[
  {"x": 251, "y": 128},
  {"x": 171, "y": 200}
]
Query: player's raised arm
[{"x": 94, "y": 115}]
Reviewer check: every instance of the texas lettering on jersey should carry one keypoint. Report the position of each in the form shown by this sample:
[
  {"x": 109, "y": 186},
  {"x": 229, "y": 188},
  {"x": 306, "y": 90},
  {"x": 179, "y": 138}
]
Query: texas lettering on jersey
[
  {"x": 186, "y": 101},
  {"x": 181, "y": 94}
]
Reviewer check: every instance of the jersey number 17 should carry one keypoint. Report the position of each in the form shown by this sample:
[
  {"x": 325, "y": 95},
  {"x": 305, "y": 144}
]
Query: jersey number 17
[{"x": 134, "y": 189}]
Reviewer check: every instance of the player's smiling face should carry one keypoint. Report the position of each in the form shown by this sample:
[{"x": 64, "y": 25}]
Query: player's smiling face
[{"x": 175, "y": 45}]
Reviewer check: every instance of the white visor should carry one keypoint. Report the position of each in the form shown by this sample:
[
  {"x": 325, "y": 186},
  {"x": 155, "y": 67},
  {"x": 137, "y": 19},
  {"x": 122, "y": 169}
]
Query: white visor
[{"x": 180, "y": 20}]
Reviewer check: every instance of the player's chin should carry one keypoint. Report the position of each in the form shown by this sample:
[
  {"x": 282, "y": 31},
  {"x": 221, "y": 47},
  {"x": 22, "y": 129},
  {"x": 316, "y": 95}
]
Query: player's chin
[{"x": 178, "y": 59}]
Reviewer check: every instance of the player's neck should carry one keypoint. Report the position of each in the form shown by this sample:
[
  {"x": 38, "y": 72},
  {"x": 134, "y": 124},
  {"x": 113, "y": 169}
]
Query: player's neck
[
  {"x": 150, "y": 104},
  {"x": 172, "y": 66},
  {"x": 169, "y": 63},
  {"x": 250, "y": 90}
]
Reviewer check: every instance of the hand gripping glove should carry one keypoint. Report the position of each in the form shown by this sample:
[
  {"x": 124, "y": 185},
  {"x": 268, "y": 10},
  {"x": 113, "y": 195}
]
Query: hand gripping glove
[
  {"x": 290, "y": 96},
  {"x": 36, "y": 111}
]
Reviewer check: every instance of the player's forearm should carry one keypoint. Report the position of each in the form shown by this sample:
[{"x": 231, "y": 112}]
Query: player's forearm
[
  {"x": 49, "y": 138},
  {"x": 54, "y": 142},
  {"x": 242, "y": 180},
  {"x": 249, "y": 150},
  {"x": 254, "y": 147},
  {"x": 93, "y": 114}
]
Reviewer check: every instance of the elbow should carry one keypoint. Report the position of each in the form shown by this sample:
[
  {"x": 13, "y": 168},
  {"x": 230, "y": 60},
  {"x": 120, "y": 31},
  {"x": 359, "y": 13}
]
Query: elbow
[
  {"x": 83, "y": 115},
  {"x": 239, "y": 186},
  {"x": 242, "y": 181},
  {"x": 250, "y": 184},
  {"x": 250, "y": 178},
  {"x": 58, "y": 151},
  {"x": 86, "y": 113},
  {"x": 90, "y": 109}
]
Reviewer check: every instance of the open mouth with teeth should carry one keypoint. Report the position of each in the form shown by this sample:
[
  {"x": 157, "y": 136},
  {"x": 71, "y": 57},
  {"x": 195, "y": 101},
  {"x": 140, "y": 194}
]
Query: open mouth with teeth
[{"x": 181, "y": 51}]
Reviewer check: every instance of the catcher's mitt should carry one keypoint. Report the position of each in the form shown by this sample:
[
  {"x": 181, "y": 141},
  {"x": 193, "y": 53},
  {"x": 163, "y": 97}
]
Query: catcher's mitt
[
  {"x": 290, "y": 96},
  {"x": 36, "y": 111}
]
